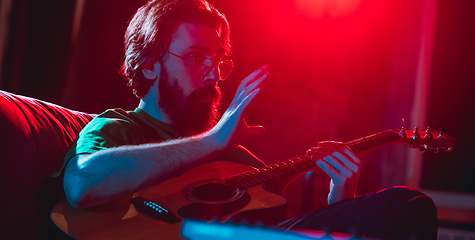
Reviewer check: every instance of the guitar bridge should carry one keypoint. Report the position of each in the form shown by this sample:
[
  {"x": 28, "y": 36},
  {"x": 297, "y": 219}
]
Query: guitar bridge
[{"x": 154, "y": 210}]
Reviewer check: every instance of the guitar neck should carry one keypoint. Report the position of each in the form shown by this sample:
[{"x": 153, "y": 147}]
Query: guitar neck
[
  {"x": 371, "y": 142},
  {"x": 303, "y": 163}
]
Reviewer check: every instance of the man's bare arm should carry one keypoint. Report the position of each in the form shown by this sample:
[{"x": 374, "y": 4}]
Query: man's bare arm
[{"x": 92, "y": 179}]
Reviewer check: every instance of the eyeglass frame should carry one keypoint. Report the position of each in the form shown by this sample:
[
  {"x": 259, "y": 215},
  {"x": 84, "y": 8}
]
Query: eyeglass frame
[{"x": 210, "y": 68}]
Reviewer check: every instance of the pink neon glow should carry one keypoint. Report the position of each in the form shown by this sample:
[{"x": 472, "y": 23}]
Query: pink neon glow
[{"x": 319, "y": 8}]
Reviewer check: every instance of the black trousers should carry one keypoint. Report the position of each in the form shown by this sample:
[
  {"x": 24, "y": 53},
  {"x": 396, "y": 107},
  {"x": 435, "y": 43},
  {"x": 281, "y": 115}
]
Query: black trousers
[{"x": 394, "y": 213}]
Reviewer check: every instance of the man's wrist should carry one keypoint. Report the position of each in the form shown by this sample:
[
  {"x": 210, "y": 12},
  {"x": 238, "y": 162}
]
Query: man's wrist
[{"x": 213, "y": 142}]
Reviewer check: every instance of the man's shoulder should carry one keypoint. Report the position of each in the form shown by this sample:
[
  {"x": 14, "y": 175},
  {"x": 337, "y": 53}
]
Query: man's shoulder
[
  {"x": 114, "y": 113},
  {"x": 111, "y": 119},
  {"x": 135, "y": 125}
]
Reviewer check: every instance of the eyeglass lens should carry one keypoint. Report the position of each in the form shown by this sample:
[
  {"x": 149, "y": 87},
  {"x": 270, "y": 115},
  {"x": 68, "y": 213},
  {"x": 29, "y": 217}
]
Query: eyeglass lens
[{"x": 203, "y": 66}]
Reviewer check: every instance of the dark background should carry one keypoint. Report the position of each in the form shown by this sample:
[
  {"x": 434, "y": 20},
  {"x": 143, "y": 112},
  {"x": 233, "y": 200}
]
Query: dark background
[{"x": 340, "y": 70}]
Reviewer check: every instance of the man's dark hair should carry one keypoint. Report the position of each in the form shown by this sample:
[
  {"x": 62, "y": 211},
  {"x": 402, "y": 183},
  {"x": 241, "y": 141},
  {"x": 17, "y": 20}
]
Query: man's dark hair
[{"x": 148, "y": 36}]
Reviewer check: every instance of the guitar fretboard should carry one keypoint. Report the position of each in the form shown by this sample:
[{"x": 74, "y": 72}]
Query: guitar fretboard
[
  {"x": 303, "y": 163},
  {"x": 371, "y": 142}
]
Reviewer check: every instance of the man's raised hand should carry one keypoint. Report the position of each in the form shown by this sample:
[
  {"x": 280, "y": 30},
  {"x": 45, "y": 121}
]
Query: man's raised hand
[{"x": 231, "y": 128}]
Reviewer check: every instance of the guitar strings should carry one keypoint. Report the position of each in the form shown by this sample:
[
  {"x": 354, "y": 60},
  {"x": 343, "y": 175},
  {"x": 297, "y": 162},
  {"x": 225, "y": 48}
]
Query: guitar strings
[
  {"x": 250, "y": 178},
  {"x": 222, "y": 183},
  {"x": 276, "y": 169},
  {"x": 280, "y": 168}
]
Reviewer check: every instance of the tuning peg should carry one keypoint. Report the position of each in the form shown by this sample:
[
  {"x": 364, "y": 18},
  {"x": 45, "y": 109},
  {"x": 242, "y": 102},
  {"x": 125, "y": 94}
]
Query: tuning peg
[
  {"x": 428, "y": 134},
  {"x": 416, "y": 133},
  {"x": 423, "y": 148},
  {"x": 434, "y": 149},
  {"x": 402, "y": 133},
  {"x": 448, "y": 149}
]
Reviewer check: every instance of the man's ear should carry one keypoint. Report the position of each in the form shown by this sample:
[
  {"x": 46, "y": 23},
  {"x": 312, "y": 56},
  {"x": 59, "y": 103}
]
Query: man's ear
[{"x": 150, "y": 73}]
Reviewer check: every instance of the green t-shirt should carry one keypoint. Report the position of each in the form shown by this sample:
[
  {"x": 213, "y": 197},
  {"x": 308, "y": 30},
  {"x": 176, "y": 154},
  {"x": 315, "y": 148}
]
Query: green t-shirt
[{"x": 116, "y": 127}]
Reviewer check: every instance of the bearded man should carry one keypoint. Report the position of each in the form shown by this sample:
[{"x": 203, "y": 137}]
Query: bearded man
[{"x": 176, "y": 52}]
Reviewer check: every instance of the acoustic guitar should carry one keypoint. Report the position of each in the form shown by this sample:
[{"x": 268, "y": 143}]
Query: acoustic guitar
[{"x": 216, "y": 191}]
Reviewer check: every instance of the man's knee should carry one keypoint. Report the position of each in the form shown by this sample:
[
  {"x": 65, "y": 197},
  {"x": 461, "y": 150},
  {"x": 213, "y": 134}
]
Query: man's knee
[
  {"x": 407, "y": 196},
  {"x": 401, "y": 192}
]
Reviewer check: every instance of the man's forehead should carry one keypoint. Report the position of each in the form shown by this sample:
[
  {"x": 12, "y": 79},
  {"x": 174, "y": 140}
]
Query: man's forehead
[{"x": 189, "y": 36}]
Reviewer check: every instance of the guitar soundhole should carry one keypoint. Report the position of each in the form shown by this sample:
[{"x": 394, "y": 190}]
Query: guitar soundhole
[
  {"x": 212, "y": 200},
  {"x": 208, "y": 191},
  {"x": 214, "y": 207},
  {"x": 214, "y": 192}
]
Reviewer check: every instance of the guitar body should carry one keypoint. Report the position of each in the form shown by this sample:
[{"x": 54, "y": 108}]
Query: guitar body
[{"x": 121, "y": 220}]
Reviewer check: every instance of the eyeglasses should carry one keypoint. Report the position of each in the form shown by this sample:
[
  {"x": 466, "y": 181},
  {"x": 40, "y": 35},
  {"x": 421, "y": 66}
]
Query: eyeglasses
[{"x": 201, "y": 66}]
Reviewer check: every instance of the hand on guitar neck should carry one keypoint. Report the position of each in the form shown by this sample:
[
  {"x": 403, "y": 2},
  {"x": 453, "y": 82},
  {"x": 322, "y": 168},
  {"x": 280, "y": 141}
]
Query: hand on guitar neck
[{"x": 341, "y": 165}]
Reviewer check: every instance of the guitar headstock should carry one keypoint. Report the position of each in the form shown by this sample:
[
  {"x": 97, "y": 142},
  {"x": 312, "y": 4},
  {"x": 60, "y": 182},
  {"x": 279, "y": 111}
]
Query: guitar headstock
[{"x": 426, "y": 139}]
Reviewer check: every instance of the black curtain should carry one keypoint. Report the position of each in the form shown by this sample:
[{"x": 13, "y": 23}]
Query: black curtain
[
  {"x": 37, "y": 50},
  {"x": 452, "y": 100}
]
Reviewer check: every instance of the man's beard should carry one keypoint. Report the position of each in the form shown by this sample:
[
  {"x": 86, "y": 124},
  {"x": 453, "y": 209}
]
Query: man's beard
[{"x": 195, "y": 113}]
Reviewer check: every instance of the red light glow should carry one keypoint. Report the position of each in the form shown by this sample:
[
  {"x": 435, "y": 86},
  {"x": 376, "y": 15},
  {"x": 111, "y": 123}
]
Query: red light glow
[{"x": 320, "y": 8}]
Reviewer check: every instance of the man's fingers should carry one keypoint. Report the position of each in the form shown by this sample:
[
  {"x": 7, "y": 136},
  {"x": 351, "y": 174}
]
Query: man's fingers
[
  {"x": 253, "y": 76},
  {"x": 334, "y": 162},
  {"x": 256, "y": 76},
  {"x": 252, "y": 86},
  {"x": 339, "y": 164},
  {"x": 245, "y": 92},
  {"x": 330, "y": 171},
  {"x": 338, "y": 159},
  {"x": 349, "y": 163},
  {"x": 242, "y": 99},
  {"x": 341, "y": 147},
  {"x": 248, "y": 85}
]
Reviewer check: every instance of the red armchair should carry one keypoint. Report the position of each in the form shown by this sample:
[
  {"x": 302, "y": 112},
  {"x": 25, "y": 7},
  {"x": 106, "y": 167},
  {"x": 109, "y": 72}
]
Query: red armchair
[{"x": 34, "y": 136}]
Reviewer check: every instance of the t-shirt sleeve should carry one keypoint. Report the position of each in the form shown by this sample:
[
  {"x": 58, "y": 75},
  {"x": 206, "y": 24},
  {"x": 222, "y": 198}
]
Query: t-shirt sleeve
[
  {"x": 103, "y": 133},
  {"x": 107, "y": 133}
]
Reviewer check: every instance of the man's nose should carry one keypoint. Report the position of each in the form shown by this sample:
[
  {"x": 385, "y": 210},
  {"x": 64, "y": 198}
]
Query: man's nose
[{"x": 212, "y": 76}]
